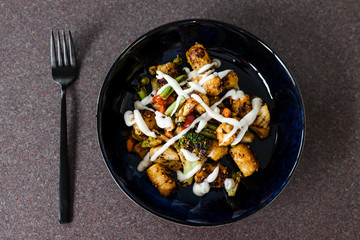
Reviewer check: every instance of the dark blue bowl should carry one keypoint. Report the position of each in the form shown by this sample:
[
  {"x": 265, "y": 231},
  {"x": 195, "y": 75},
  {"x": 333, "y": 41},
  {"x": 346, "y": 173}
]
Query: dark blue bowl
[{"x": 261, "y": 73}]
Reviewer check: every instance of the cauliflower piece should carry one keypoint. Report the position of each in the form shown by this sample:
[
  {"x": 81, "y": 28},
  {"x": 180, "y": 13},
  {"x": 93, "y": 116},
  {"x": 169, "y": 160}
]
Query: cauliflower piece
[
  {"x": 230, "y": 81},
  {"x": 197, "y": 56},
  {"x": 261, "y": 125},
  {"x": 221, "y": 133}
]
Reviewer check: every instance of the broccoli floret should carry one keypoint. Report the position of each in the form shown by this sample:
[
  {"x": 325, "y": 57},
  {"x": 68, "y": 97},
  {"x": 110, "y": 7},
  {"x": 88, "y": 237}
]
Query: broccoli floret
[{"x": 193, "y": 141}]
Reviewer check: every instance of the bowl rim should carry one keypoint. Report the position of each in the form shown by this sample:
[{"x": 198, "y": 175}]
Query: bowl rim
[{"x": 105, "y": 157}]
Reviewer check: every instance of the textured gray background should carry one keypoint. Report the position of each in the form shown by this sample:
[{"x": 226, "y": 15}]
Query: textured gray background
[{"x": 318, "y": 40}]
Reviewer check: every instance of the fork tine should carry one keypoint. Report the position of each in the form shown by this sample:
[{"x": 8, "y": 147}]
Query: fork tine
[
  {"x": 60, "y": 61},
  {"x": 71, "y": 51},
  {"x": 52, "y": 50},
  {"x": 66, "y": 61}
]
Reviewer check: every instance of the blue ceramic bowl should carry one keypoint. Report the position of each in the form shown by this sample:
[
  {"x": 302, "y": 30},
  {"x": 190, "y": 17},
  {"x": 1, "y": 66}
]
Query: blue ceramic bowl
[{"x": 261, "y": 73}]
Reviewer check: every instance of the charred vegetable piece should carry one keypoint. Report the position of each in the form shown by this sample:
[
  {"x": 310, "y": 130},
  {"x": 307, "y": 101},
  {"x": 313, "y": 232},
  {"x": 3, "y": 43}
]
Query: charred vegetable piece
[
  {"x": 169, "y": 90},
  {"x": 169, "y": 68},
  {"x": 178, "y": 60},
  {"x": 261, "y": 125},
  {"x": 230, "y": 81},
  {"x": 215, "y": 151},
  {"x": 207, "y": 169},
  {"x": 171, "y": 108},
  {"x": 194, "y": 143},
  {"x": 241, "y": 106},
  {"x": 162, "y": 178},
  {"x": 151, "y": 142},
  {"x": 236, "y": 176},
  {"x": 141, "y": 91},
  {"x": 139, "y": 150},
  {"x": 221, "y": 133},
  {"x": 245, "y": 159},
  {"x": 197, "y": 56}
]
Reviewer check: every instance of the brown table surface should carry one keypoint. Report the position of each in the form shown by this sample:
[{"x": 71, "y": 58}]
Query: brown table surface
[{"x": 318, "y": 40}]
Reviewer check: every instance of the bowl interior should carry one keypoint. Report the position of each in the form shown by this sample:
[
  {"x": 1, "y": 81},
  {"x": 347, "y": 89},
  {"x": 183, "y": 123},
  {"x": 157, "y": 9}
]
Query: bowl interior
[{"x": 260, "y": 72}]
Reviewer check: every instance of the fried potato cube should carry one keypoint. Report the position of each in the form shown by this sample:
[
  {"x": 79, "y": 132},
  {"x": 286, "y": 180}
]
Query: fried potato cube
[
  {"x": 162, "y": 178},
  {"x": 245, "y": 159},
  {"x": 207, "y": 169},
  {"x": 169, "y": 158},
  {"x": 197, "y": 56},
  {"x": 215, "y": 151},
  {"x": 230, "y": 81},
  {"x": 221, "y": 133}
]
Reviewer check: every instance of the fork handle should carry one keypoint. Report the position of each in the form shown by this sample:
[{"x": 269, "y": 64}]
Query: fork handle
[{"x": 64, "y": 185}]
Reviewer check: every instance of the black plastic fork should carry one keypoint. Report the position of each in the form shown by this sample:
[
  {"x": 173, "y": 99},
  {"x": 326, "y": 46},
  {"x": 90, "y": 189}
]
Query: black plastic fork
[{"x": 64, "y": 72}]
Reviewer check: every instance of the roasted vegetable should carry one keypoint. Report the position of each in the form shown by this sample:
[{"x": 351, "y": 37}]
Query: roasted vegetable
[
  {"x": 197, "y": 56},
  {"x": 230, "y": 81},
  {"x": 162, "y": 178},
  {"x": 248, "y": 137},
  {"x": 236, "y": 177},
  {"x": 261, "y": 124},
  {"x": 139, "y": 150},
  {"x": 241, "y": 106},
  {"x": 169, "y": 68},
  {"x": 245, "y": 159},
  {"x": 221, "y": 133},
  {"x": 215, "y": 151},
  {"x": 195, "y": 143},
  {"x": 151, "y": 142},
  {"x": 207, "y": 169}
]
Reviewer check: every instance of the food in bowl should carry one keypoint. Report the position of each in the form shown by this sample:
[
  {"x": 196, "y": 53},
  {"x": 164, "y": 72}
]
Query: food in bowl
[{"x": 192, "y": 119}]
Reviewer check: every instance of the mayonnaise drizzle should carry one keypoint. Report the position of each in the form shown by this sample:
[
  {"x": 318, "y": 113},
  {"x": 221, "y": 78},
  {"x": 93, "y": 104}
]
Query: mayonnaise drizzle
[
  {"x": 182, "y": 177},
  {"x": 173, "y": 83},
  {"x": 144, "y": 163},
  {"x": 243, "y": 124},
  {"x": 162, "y": 120},
  {"x": 229, "y": 183},
  {"x": 204, "y": 187},
  {"x": 129, "y": 118},
  {"x": 178, "y": 99},
  {"x": 142, "y": 125},
  {"x": 174, "y": 139},
  {"x": 190, "y": 156}
]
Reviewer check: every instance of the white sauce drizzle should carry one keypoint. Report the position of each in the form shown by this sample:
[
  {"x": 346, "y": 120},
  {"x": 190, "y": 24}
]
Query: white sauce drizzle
[
  {"x": 204, "y": 187},
  {"x": 172, "y": 82},
  {"x": 211, "y": 153},
  {"x": 162, "y": 120},
  {"x": 229, "y": 183},
  {"x": 129, "y": 118},
  {"x": 144, "y": 163},
  {"x": 142, "y": 125},
  {"x": 173, "y": 140},
  {"x": 182, "y": 177},
  {"x": 222, "y": 74},
  {"x": 190, "y": 156},
  {"x": 178, "y": 99},
  {"x": 243, "y": 124},
  {"x": 196, "y": 87}
]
